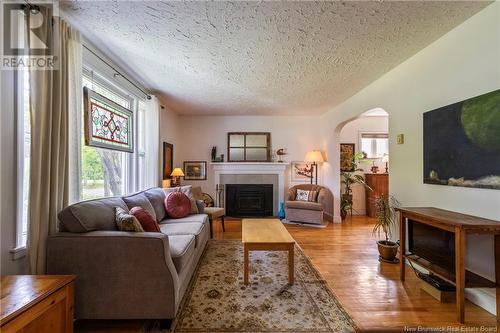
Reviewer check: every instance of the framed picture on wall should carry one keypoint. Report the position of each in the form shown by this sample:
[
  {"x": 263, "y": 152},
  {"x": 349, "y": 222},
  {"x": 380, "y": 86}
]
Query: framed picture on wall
[
  {"x": 168, "y": 160},
  {"x": 346, "y": 156},
  {"x": 195, "y": 170},
  {"x": 301, "y": 172}
]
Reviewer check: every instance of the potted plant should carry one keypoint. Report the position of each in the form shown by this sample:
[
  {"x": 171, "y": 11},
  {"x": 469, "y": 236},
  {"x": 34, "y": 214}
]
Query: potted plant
[
  {"x": 345, "y": 206},
  {"x": 350, "y": 178},
  {"x": 386, "y": 220}
]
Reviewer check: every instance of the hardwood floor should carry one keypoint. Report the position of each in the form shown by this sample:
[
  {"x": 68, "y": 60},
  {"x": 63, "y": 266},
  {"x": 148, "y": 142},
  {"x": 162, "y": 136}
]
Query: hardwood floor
[{"x": 346, "y": 256}]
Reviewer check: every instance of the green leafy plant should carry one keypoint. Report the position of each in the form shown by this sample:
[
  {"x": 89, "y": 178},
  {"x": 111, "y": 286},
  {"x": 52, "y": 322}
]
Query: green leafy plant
[
  {"x": 386, "y": 215},
  {"x": 349, "y": 178}
]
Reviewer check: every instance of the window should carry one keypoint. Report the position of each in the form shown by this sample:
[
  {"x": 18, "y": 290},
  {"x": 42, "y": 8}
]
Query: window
[
  {"x": 104, "y": 171},
  {"x": 375, "y": 145},
  {"x": 23, "y": 154},
  {"x": 249, "y": 146}
]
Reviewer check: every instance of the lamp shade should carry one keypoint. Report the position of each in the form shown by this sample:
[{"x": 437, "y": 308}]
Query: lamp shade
[
  {"x": 177, "y": 173},
  {"x": 314, "y": 156}
]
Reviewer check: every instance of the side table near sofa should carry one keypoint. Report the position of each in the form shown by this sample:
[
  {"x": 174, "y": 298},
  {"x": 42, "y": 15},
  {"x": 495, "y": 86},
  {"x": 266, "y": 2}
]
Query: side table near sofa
[{"x": 215, "y": 213}]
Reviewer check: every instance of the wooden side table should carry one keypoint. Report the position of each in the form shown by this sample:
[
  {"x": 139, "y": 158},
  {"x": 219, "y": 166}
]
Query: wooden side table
[
  {"x": 215, "y": 213},
  {"x": 37, "y": 303}
]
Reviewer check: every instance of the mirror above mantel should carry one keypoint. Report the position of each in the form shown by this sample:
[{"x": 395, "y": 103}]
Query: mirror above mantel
[{"x": 249, "y": 146}]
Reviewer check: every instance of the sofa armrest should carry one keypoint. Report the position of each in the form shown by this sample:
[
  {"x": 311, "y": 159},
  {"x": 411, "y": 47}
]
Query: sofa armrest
[
  {"x": 325, "y": 199},
  {"x": 291, "y": 194},
  {"x": 119, "y": 274}
]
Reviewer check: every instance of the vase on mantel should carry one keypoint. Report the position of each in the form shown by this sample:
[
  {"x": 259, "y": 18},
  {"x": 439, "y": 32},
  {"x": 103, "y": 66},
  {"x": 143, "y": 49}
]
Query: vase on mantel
[{"x": 281, "y": 212}]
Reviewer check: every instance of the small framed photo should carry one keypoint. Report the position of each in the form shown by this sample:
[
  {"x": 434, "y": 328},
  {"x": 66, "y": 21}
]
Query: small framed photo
[
  {"x": 301, "y": 172},
  {"x": 195, "y": 170}
]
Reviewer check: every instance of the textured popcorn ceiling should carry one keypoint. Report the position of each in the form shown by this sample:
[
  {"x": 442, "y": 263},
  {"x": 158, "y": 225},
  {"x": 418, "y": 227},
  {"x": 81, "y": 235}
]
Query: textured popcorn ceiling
[{"x": 263, "y": 57}]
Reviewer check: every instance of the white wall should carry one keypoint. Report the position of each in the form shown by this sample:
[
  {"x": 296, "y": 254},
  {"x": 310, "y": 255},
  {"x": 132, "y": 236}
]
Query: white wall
[
  {"x": 463, "y": 63},
  {"x": 350, "y": 134},
  {"x": 169, "y": 132},
  {"x": 8, "y": 182},
  {"x": 199, "y": 133}
]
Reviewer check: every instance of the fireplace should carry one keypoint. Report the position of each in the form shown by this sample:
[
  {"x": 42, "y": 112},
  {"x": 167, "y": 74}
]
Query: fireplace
[{"x": 249, "y": 200}]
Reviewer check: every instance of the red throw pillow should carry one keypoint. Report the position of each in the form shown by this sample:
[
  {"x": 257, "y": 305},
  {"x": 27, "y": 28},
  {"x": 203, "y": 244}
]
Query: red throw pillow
[
  {"x": 147, "y": 222},
  {"x": 177, "y": 205}
]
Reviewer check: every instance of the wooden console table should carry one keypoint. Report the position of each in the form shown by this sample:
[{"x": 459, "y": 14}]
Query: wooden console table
[
  {"x": 37, "y": 303},
  {"x": 460, "y": 225}
]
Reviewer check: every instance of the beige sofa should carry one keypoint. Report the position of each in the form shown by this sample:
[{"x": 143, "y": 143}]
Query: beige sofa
[
  {"x": 309, "y": 212},
  {"x": 126, "y": 275}
]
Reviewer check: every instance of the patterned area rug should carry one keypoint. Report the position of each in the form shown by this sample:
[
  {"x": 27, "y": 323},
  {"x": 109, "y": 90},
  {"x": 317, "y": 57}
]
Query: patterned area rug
[{"x": 217, "y": 300}]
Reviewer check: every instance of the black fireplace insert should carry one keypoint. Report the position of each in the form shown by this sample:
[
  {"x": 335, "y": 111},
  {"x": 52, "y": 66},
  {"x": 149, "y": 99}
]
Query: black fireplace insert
[{"x": 252, "y": 200}]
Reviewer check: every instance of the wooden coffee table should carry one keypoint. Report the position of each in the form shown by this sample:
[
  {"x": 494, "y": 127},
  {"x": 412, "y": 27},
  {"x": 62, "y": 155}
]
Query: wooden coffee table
[{"x": 266, "y": 235}]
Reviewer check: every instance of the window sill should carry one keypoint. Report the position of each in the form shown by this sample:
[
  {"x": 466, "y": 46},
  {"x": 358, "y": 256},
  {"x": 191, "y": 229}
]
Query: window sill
[{"x": 18, "y": 252}]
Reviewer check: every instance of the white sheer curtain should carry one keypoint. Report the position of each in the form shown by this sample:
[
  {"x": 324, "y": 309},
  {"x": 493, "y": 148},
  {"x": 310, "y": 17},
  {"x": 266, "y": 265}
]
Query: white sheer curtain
[
  {"x": 50, "y": 107},
  {"x": 153, "y": 158}
]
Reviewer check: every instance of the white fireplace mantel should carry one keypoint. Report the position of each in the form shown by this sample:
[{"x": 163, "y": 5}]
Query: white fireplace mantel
[{"x": 252, "y": 168}]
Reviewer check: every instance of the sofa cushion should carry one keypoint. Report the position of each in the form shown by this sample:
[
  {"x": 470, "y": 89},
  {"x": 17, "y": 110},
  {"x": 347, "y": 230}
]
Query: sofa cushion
[
  {"x": 305, "y": 195},
  {"x": 307, "y": 205},
  {"x": 182, "y": 249},
  {"x": 187, "y": 190},
  {"x": 177, "y": 205},
  {"x": 148, "y": 223},
  {"x": 200, "y": 218},
  {"x": 188, "y": 228},
  {"x": 126, "y": 221},
  {"x": 90, "y": 215},
  {"x": 157, "y": 198},
  {"x": 140, "y": 199}
]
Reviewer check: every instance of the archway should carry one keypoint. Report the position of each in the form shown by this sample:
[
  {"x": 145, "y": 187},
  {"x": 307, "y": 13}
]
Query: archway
[{"x": 368, "y": 133}]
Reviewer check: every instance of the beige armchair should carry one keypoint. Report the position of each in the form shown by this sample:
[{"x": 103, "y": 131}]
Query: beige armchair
[{"x": 307, "y": 211}]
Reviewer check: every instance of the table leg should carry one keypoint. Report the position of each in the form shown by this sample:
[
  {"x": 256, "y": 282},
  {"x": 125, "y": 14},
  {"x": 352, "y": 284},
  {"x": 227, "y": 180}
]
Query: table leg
[
  {"x": 402, "y": 245},
  {"x": 222, "y": 221},
  {"x": 460, "y": 251},
  {"x": 497, "y": 275},
  {"x": 291, "y": 264},
  {"x": 245, "y": 264},
  {"x": 210, "y": 221}
]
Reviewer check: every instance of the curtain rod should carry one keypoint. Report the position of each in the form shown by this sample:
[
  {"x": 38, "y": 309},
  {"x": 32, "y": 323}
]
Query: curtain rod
[{"x": 117, "y": 72}]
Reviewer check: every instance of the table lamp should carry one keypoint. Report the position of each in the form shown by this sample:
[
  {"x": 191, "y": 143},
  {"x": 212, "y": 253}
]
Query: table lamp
[
  {"x": 314, "y": 157},
  {"x": 177, "y": 174}
]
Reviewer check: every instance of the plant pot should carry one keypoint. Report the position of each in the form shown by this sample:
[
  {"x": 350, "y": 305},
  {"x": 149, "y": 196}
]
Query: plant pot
[{"x": 387, "y": 250}]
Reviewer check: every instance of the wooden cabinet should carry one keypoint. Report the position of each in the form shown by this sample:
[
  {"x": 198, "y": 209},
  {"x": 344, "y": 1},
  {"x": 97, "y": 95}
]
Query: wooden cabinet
[
  {"x": 379, "y": 183},
  {"x": 37, "y": 303}
]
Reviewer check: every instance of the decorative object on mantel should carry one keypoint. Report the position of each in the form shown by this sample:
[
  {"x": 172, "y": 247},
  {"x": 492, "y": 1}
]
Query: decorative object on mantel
[
  {"x": 314, "y": 156},
  {"x": 281, "y": 152},
  {"x": 374, "y": 168},
  {"x": 301, "y": 171},
  {"x": 195, "y": 170},
  {"x": 177, "y": 174},
  {"x": 168, "y": 159},
  {"x": 462, "y": 143},
  {"x": 107, "y": 124},
  {"x": 249, "y": 147},
  {"x": 385, "y": 159},
  {"x": 214, "y": 156},
  {"x": 346, "y": 156}
]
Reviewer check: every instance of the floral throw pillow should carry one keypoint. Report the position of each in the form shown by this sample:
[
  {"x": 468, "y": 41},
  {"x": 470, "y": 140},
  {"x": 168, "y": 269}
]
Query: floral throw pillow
[
  {"x": 126, "y": 222},
  {"x": 303, "y": 195}
]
